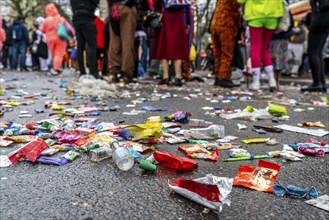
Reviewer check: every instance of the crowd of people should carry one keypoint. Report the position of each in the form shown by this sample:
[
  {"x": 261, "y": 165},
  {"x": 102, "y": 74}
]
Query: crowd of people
[{"x": 131, "y": 38}]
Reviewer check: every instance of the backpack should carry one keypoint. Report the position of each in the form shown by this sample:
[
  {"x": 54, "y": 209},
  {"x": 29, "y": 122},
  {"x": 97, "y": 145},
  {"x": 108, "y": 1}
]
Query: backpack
[{"x": 17, "y": 33}]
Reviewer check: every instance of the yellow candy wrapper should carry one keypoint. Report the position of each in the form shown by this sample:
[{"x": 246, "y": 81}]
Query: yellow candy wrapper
[
  {"x": 141, "y": 131},
  {"x": 255, "y": 140}
]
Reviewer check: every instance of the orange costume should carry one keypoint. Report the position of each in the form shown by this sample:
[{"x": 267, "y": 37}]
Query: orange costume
[
  {"x": 224, "y": 29},
  {"x": 2, "y": 34},
  {"x": 56, "y": 45}
]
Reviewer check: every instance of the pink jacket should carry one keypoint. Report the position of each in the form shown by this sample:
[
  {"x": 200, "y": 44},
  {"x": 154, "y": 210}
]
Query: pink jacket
[
  {"x": 49, "y": 26},
  {"x": 2, "y": 34}
]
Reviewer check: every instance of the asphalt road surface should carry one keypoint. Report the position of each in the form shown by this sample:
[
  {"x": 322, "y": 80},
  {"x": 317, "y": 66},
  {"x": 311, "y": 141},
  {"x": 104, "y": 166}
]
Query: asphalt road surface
[{"x": 87, "y": 190}]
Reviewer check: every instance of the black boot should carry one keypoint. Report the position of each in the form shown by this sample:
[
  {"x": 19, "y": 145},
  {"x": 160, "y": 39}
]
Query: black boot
[
  {"x": 164, "y": 82},
  {"x": 178, "y": 82},
  {"x": 225, "y": 83},
  {"x": 312, "y": 88}
]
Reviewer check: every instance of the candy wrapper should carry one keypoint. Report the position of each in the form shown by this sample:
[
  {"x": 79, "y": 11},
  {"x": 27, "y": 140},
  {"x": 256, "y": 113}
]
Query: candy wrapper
[
  {"x": 70, "y": 155},
  {"x": 192, "y": 148},
  {"x": 141, "y": 131},
  {"x": 148, "y": 107},
  {"x": 236, "y": 153},
  {"x": 179, "y": 116},
  {"x": 61, "y": 148},
  {"x": 49, "y": 151},
  {"x": 294, "y": 191},
  {"x": 52, "y": 161},
  {"x": 136, "y": 146},
  {"x": 321, "y": 202},
  {"x": 260, "y": 178},
  {"x": 277, "y": 110},
  {"x": 212, "y": 156},
  {"x": 84, "y": 140},
  {"x": 174, "y": 162},
  {"x": 31, "y": 151},
  {"x": 255, "y": 140},
  {"x": 20, "y": 138},
  {"x": 5, "y": 143},
  {"x": 313, "y": 152},
  {"x": 311, "y": 124},
  {"x": 210, "y": 191},
  {"x": 66, "y": 136},
  {"x": 296, "y": 147}
]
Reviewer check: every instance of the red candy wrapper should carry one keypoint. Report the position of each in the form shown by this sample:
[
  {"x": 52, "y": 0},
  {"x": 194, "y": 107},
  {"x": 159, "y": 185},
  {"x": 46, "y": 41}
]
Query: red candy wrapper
[
  {"x": 210, "y": 191},
  {"x": 313, "y": 152},
  {"x": 260, "y": 178},
  {"x": 31, "y": 151},
  {"x": 174, "y": 162}
]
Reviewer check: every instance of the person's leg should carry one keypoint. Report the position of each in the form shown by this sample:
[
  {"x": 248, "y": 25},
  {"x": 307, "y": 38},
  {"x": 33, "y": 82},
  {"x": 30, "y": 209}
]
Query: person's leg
[
  {"x": 81, "y": 44},
  {"x": 60, "y": 49},
  {"x": 315, "y": 45},
  {"x": 266, "y": 56},
  {"x": 298, "y": 57},
  {"x": 114, "y": 55},
  {"x": 227, "y": 38},
  {"x": 165, "y": 76},
  {"x": 43, "y": 64},
  {"x": 216, "y": 53},
  {"x": 89, "y": 34},
  {"x": 128, "y": 22},
  {"x": 178, "y": 72},
  {"x": 22, "y": 51},
  {"x": 14, "y": 56},
  {"x": 255, "y": 54},
  {"x": 153, "y": 69},
  {"x": 186, "y": 69},
  {"x": 5, "y": 55}
]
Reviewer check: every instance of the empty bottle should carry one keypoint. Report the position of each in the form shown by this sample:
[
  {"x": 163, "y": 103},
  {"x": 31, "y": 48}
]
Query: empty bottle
[
  {"x": 121, "y": 156},
  {"x": 199, "y": 123},
  {"x": 214, "y": 131}
]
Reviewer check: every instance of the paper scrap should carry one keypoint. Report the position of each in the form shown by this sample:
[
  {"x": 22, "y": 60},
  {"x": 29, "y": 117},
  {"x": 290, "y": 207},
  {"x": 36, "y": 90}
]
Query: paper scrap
[{"x": 314, "y": 132}]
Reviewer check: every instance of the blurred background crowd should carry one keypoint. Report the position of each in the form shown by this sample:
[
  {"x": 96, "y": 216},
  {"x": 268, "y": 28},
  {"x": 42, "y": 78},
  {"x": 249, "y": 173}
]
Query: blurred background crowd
[{"x": 170, "y": 41}]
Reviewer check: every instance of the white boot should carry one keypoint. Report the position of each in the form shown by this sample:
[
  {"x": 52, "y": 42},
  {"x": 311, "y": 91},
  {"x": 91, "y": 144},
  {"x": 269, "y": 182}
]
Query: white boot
[
  {"x": 271, "y": 80},
  {"x": 255, "y": 85}
]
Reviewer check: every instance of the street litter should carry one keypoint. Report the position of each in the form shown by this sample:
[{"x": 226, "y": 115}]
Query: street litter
[
  {"x": 210, "y": 191},
  {"x": 320, "y": 202},
  {"x": 294, "y": 191},
  {"x": 318, "y": 132},
  {"x": 173, "y": 162},
  {"x": 311, "y": 124},
  {"x": 260, "y": 178}
]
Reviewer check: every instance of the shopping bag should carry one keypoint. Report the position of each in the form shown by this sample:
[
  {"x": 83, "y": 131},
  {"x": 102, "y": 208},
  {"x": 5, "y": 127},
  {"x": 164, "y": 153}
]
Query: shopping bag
[
  {"x": 42, "y": 50},
  {"x": 62, "y": 32}
]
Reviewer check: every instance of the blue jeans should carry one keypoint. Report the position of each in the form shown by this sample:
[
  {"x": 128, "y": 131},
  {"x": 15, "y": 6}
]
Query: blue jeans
[{"x": 18, "y": 49}]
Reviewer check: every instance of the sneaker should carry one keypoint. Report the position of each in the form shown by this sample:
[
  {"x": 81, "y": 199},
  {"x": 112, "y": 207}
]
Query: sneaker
[
  {"x": 254, "y": 86},
  {"x": 164, "y": 82},
  {"x": 272, "y": 84},
  {"x": 178, "y": 82},
  {"x": 225, "y": 83},
  {"x": 54, "y": 72},
  {"x": 86, "y": 77}
]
